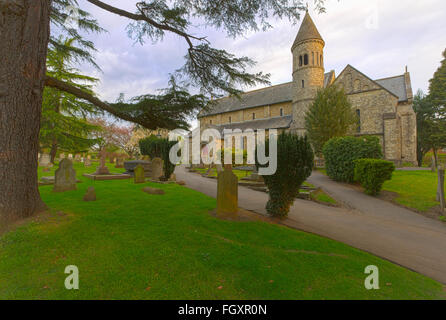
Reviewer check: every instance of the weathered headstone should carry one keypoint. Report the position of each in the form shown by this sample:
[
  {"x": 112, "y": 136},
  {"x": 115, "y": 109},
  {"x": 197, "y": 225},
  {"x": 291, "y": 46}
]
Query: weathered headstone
[
  {"x": 87, "y": 162},
  {"x": 45, "y": 160},
  {"x": 102, "y": 169},
  {"x": 157, "y": 169},
  {"x": 62, "y": 156},
  {"x": 139, "y": 174},
  {"x": 90, "y": 195},
  {"x": 440, "y": 190},
  {"x": 77, "y": 158},
  {"x": 65, "y": 177},
  {"x": 227, "y": 192},
  {"x": 70, "y": 156}
]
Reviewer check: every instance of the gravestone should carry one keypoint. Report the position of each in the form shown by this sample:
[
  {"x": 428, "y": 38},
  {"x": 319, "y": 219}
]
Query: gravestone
[
  {"x": 45, "y": 160},
  {"x": 70, "y": 156},
  {"x": 87, "y": 162},
  {"x": 150, "y": 190},
  {"x": 139, "y": 174},
  {"x": 440, "y": 190},
  {"x": 65, "y": 177},
  {"x": 62, "y": 156},
  {"x": 102, "y": 169},
  {"x": 90, "y": 195},
  {"x": 157, "y": 169},
  {"x": 227, "y": 192},
  {"x": 77, "y": 158}
]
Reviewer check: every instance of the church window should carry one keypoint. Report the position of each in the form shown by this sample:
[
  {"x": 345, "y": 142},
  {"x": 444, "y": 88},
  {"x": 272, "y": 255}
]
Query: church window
[
  {"x": 303, "y": 83},
  {"x": 358, "y": 114},
  {"x": 312, "y": 54},
  {"x": 230, "y": 119},
  {"x": 317, "y": 58},
  {"x": 322, "y": 63},
  {"x": 300, "y": 61},
  {"x": 306, "y": 59},
  {"x": 253, "y": 116},
  {"x": 281, "y": 112},
  {"x": 210, "y": 121}
]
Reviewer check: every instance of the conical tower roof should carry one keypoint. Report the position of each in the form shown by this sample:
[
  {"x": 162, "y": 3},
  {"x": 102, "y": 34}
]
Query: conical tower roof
[{"x": 307, "y": 31}]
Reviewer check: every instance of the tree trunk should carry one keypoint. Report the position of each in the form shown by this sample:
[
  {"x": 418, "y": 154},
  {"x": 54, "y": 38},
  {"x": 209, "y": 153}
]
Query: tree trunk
[{"x": 24, "y": 34}]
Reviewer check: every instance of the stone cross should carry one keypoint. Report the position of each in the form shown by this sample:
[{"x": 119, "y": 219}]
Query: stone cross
[
  {"x": 227, "y": 192},
  {"x": 440, "y": 190},
  {"x": 65, "y": 177},
  {"x": 102, "y": 169},
  {"x": 139, "y": 174},
  {"x": 157, "y": 169}
]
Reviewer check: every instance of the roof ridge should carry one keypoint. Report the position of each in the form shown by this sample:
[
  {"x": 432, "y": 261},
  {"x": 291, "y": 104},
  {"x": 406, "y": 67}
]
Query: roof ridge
[{"x": 399, "y": 76}]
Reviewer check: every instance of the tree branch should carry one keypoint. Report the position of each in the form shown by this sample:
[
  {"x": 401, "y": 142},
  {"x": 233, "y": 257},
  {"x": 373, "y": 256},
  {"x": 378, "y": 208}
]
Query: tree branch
[
  {"x": 142, "y": 17},
  {"x": 63, "y": 86}
]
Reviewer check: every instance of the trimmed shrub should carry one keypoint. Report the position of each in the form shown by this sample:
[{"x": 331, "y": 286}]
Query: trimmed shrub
[
  {"x": 294, "y": 165},
  {"x": 158, "y": 148},
  {"x": 372, "y": 173},
  {"x": 340, "y": 154}
]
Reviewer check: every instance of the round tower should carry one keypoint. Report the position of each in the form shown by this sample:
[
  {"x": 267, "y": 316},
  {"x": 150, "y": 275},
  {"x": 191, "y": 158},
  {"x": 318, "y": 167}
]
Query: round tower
[{"x": 308, "y": 71}]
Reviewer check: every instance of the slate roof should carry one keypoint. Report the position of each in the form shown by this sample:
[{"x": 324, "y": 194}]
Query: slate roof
[
  {"x": 396, "y": 85},
  {"x": 307, "y": 31},
  {"x": 268, "y": 123},
  {"x": 258, "y": 98}
]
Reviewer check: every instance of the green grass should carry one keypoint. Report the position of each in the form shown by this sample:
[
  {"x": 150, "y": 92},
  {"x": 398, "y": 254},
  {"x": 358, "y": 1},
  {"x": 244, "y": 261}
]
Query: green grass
[
  {"x": 131, "y": 245},
  {"x": 416, "y": 189}
]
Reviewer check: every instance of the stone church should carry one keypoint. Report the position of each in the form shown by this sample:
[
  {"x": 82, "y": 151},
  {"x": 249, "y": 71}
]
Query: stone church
[{"x": 383, "y": 106}]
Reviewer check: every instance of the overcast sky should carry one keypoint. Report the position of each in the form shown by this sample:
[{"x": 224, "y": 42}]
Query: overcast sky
[{"x": 378, "y": 37}]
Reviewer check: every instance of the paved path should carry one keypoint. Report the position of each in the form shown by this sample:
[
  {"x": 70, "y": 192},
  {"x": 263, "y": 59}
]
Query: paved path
[{"x": 385, "y": 230}]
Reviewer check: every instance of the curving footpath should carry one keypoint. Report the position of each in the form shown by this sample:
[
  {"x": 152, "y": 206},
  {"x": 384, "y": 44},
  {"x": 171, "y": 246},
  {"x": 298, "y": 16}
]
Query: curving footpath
[{"x": 373, "y": 225}]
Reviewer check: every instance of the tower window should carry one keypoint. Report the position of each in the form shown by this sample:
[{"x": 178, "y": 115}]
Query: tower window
[
  {"x": 312, "y": 58},
  {"x": 253, "y": 116},
  {"x": 306, "y": 59},
  {"x": 358, "y": 114},
  {"x": 281, "y": 112},
  {"x": 210, "y": 121},
  {"x": 303, "y": 83},
  {"x": 317, "y": 57},
  {"x": 300, "y": 61},
  {"x": 321, "y": 61},
  {"x": 230, "y": 119}
]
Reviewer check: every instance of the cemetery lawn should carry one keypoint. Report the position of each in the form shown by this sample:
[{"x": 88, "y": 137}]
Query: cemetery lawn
[
  {"x": 415, "y": 189},
  {"x": 131, "y": 245}
]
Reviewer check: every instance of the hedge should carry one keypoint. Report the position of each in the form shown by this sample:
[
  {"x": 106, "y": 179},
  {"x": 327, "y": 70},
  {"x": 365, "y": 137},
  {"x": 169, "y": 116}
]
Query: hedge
[
  {"x": 372, "y": 173},
  {"x": 340, "y": 154}
]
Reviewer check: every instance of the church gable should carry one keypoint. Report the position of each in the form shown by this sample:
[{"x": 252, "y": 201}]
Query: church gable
[{"x": 354, "y": 81}]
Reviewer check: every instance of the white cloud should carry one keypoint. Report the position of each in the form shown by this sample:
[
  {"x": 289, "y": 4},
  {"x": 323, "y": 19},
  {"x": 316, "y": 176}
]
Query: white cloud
[{"x": 406, "y": 32}]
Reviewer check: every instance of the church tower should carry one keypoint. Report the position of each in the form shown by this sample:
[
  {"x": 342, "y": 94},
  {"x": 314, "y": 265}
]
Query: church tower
[{"x": 308, "y": 71}]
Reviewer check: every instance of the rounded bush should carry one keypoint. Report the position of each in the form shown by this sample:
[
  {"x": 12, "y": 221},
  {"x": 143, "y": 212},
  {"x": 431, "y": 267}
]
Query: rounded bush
[
  {"x": 340, "y": 154},
  {"x": 372, "y": 174}
]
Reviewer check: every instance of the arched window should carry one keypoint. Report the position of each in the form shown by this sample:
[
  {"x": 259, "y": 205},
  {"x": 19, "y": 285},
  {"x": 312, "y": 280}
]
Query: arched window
[
  {"x": 303, "y": 83},
  {"x": 281, "y": 112},
  {"x": 317, "y": 58},
  {"x": 312, "y": 58},
  {"x": 230, "y": 119},
  {"x": 322, "y": 63},
  {"x": 253, "y": 116},
  {"x": 300, "y": 61},
  {"x": 358, "y": 115},
  {"x": 306, "y": 59}
]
